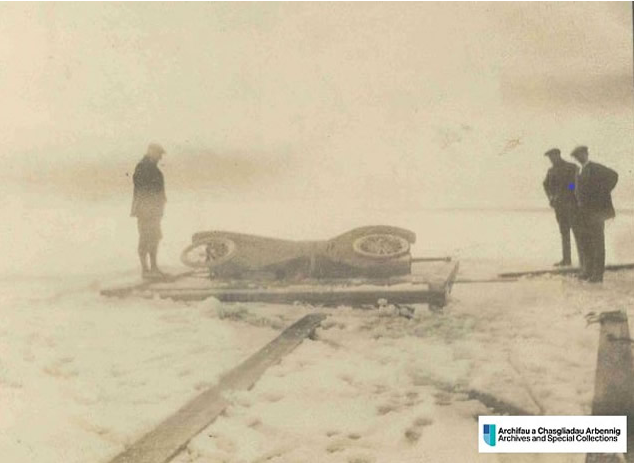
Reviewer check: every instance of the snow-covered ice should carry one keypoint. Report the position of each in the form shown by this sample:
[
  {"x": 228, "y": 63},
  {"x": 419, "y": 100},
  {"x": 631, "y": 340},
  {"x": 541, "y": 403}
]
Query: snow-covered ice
[
  {"x": 381, "y": 388},
  {"x": 83, "y": 376}
]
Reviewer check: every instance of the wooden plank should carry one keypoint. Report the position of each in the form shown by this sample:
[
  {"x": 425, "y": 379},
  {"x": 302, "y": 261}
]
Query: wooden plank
[
  {"x": 484, "y": 280},
  {"x": 430, "y": 259},
  {"x": 440, "y": 289},
  {"x": 286, "y": 285},
  {"x": 413, "y": 294},
  {"x": 172, "y": 435},
  {"x": 562, "y": 271},
  {"x": 614, "y": 379}
]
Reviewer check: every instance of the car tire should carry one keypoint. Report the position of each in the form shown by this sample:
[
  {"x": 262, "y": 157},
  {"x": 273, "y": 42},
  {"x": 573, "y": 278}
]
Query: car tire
[
  {"x": 381, "y": 246},
  {"x": 209, "y": 253}
]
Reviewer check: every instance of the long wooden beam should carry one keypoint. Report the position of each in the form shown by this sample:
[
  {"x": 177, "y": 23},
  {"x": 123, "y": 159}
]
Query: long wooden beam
[
  {"x": 324, "y": 295},
  {"x": 172, "y": 435},
  {"x": 561, "y": 271},
  {"x": 484, "y": 280},
  {"x": 407, "y": 289},
  {"x": 614, "y": 379},
  {"x": 430, "y": 259}
]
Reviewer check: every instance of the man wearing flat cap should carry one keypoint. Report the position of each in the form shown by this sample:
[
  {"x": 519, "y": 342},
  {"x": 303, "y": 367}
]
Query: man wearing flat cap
[
  {"x": 147, "y": 206},
  {"x": 559, "y": 187},
  {"x": 595, "y": 183}
]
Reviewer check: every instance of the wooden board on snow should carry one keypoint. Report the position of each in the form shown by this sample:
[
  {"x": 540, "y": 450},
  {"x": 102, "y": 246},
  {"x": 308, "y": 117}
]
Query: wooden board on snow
[
  {"x": 172, "y": 435},
  {"x": 560, "y": 271}
]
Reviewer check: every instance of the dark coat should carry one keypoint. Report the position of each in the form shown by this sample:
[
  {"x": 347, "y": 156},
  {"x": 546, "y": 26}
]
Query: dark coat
[
  {"x": 149, "y": 190},
  {"x": 558, "y": 182},
  {"x": 594, "y": 186}
]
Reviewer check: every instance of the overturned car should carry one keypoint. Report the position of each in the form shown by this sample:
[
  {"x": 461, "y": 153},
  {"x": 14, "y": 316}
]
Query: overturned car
[
  {"x": 373, "y": 252},
  {"x": 360, "y": 267}
]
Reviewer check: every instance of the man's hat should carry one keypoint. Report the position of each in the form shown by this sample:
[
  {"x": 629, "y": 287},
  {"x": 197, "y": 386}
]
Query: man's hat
[
  {"x": 579, "y": 150},
  {"x": 155, "y": 148},
  {"x": 553, "y": 152}
]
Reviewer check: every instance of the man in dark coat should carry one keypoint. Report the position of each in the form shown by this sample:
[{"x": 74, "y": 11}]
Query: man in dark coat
[
  {"x": 595, "y": 183},
  {"x": 559, "y": 186},
  {"x": 147, "y": 206}
]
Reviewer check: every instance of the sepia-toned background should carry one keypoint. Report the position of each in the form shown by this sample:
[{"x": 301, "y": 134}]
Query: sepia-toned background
[
  {"x": 300, "y": 121},
  {"x": 340, "y": 109}
]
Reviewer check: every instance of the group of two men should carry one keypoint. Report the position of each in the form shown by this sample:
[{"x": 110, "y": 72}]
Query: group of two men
[{"x": 582, "y": 200}]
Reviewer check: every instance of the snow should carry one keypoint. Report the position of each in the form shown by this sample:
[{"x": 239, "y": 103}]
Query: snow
[
  {"x": 82, "y": 376},
  {"x": 380, "y": 388}
]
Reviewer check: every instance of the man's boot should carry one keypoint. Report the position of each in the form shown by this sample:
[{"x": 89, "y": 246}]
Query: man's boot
[
  {"x": 563, "y": 263},
  {"x": 565, "y": 248}
]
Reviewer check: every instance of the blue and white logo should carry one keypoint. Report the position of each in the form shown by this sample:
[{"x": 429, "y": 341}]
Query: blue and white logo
[{"x": 488, "y": 433}]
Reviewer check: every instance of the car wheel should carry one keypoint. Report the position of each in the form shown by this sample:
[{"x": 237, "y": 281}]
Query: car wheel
[
  {"x": 209, "y": 253},
  {"x": 381, "y": 246}
]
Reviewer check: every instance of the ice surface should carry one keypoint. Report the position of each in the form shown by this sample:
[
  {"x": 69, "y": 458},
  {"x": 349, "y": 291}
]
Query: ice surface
[
  {"x": 82, "y": 376},
  {"x": 379, "y": 388}
]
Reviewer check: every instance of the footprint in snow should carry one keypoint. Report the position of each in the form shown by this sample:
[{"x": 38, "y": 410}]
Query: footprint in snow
[
  {"x": 337, "y": 445},
  {"x": 61, "y": 369},
  {"x": 442, "y": 398},
  {"x": 414, "y": 432},
  {"x": 273, "y": 396},
  {"x": 423, "y": 421},
  {"x": 361, "y": 459},
  {"x": 254, "y": 423},
  {"x": 384, "y": 409}
]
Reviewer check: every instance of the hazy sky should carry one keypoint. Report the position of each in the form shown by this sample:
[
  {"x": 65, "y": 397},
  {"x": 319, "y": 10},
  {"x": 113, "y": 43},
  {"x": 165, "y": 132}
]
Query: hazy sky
[{"x": 425, "y": 103}]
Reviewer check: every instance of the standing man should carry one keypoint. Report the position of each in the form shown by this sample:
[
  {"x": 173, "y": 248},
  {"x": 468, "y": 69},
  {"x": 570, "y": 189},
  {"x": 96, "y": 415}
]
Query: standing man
[
  {"x": 147, "y": 206},
  {"x": 559, "y": 186},
  {"x": 595, "y": 183}
]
